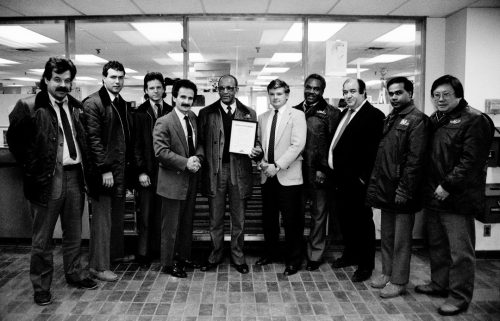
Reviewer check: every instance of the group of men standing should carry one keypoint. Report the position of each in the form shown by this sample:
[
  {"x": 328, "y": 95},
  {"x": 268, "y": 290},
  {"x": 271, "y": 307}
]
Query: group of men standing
[{"x": 347, "y": 161}]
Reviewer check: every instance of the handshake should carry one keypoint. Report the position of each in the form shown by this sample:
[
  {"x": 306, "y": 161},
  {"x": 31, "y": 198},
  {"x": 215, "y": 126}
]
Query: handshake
[{"x": 193, "y": 164}]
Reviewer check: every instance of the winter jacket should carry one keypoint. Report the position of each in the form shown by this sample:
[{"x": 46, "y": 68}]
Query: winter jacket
[
  {"x": 458, "y": 154},
  {"x": 400, "y": 161}
]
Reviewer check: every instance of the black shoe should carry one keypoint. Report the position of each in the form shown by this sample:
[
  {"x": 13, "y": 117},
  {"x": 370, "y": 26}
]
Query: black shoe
[
  {"x": 142, "y": 260},
  {"x": 189, "y": 264},
  {"x": 449, "y": 309},
  {"x": 86, "y": 283},
  {"x": 242, "y": 268},
  {"x": 290, "y": 270},
  {"x": 207, "y": 266},
  {"x": 432, "y": 290},
  {"x": 361, "y": 275},
  {"x": 43, "y": 298},
  {"x": 313, "y": 265},
  {"x": 341, "y": 262},
  {"x": 175, "y": 270},
  {"x": 265, "y": 260}
]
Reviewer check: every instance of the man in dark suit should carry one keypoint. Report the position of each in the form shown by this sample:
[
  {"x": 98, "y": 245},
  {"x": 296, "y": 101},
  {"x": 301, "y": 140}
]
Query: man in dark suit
[
  {"x": 108, "y": 123},
  {"x": 47, "y": 138},
  {"x": 351, "y": 157},
  {"x": 146, "y": 165},
  {"x": 321, "y": 119},
  {"x": 282, "y": 131},
  {"x": 175, "y": 139},
  {"x": 226, "y": 173}
]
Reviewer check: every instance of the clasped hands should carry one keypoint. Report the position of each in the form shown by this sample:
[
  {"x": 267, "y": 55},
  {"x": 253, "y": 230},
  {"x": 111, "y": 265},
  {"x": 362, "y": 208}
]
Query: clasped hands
[
  {"x": 270, "y": 170},
  {"x": 193, "y": 164}
]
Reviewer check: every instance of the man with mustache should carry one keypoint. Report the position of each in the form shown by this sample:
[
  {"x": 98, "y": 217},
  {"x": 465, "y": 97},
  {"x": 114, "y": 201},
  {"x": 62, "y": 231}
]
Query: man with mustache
[
  {"x": 321, "y": 119},
  {"x": 175, "y": 139},
  {"x": 47, "y": 138},
  {"x": 108, "y": 123}
]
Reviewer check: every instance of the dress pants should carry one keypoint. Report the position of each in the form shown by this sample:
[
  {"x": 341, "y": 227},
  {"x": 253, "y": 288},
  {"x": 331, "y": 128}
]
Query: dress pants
[
  {"x": 278, "y": 198},
  {"x": 106, "y": 231},
  {"x": 177, "y": 225},
  {"x": 396, "y": 231},
  {"x": 452, "y": 239},
  {"x": 217, "y": 209},
  {"x": 148, "y": 221},
  {"x": 67, "y": 203},
  {"x": 319, "y": 216},
  {"x": 356, "y": 225}
]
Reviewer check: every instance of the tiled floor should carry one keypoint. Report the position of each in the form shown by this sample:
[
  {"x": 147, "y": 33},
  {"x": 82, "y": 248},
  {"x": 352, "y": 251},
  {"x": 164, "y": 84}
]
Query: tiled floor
[{"x": 263, "y": 294}]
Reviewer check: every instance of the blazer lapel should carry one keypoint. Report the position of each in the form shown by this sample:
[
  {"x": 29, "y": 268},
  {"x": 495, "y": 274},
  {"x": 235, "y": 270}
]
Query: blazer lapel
[{"x": 180, "y": 133}]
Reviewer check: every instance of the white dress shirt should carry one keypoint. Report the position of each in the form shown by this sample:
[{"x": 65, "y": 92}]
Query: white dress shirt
[
  {"x": 183, "y": 124},
  {"x": 281, "y": 112}
]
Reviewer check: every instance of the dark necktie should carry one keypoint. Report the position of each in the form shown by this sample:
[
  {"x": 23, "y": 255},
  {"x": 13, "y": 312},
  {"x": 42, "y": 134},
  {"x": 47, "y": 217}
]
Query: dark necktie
[
  {"x": 158, "y": 110},
  {"x": 344, "y": 125},
  {"x": 68, "y": 134},
  {"x": 190, "y": 136},
  {"x": 229, "y": 111},
  {"x": 115, "y": 102},
  {"x": 270, "y": 148}
]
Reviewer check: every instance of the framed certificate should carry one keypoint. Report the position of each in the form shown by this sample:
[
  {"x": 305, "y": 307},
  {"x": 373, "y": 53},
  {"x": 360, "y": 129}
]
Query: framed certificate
[{"x": 242, "y": 136}]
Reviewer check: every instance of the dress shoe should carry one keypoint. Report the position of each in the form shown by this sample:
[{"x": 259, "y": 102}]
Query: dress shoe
[
  {"x": 105, "y": 275},
  {"x": 126, "y": 259},
  {"x": 189, "y": 264},
  {"x": 341, "y": 263},
  {"x": 86, "y": 283},
  {"x": 265, "y": 260},
  {"x": 175, "y": 270},
  {"x": 207, "y": 266},
  {"x": 380, "y": 281},
  {"x": 449, "y": 309},
  {"x": 290, "y": 270},
  {"x": 392, "y": 290},
  {"x": 43, "y": 298},
  {"x": 242, "y": 268},
  {"x": 313, "y": 265},
  {"x": 432, "y": 290},
  {"x": 361, "y": 275}
]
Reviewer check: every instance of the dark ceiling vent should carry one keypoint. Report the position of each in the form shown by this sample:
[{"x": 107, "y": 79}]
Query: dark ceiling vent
[
  {"x": 375, "y": 48},
  {"x": 25, "y": 49}
]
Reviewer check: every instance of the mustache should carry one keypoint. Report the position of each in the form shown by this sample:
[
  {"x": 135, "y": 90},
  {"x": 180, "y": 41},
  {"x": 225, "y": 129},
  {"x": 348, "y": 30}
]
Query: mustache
[
  {"x": 185, "y": 105},
  {"x": 63, "y": 89}
]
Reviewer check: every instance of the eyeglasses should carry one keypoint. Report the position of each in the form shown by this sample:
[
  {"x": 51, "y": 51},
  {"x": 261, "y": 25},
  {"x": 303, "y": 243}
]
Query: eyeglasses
[
  {"x": 445, "y": 95},
  {"x": 352, "y": 92},
  {"x": 227, "y": 88}
]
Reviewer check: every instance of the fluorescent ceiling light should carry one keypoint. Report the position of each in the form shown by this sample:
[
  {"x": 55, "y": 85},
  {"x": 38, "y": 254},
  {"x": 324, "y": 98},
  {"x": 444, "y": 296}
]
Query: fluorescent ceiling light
[
  {"x": 261, "y": 61},
  {"x": 270, "y": 70},
  {"x": 8, "y": 62},
  {"x": 270, "y": 77},
  {"x": 272, "y": 36},
  {"x": 254, "y": 73},
  {"x": 386, "y": 58},
  {"x": 84, "y": 78},
  {"x": 24, "y": 79},
  {"x": 286, "y": 57},
  {"x": 318, "y": 31},
  {"x": 133, "y": 37},
  {"x": 36, "y": 71},
  {"x": 355, "y": 70},
  {"x": 372, "y": 83},
  {"x": 167, "y": 61},
  {"x": 89, "y": 60},
  {"x": 160, "y": 31},
  {"x": 193, "y": 57},
  {"x": 403, "y": 33},
  {"x": 130, "y": 71},
  {"x": 261, "y": 83},
  {"x": 20, "y": 37},
  {"x": 138, "y": 77}
]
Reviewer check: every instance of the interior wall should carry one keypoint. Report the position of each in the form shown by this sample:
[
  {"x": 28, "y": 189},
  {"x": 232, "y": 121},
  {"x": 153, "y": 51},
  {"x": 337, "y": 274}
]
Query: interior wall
[
  {"x": 434, "y": 57},
  {"x": 456, "y": 41}
]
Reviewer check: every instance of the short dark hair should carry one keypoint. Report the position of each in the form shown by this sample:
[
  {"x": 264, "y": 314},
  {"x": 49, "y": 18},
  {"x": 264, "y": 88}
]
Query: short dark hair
[
  {"x": 278, "y": 83},
  {"x": 231, "y": 76},
  {"x": 407, "y": 84},
  {"x": 113, "y": 64},
  {"x": 154, "y": 76},
  {"x": 317, "y": 77},
  {"x": 452, "y": 81},
  {"x": 183, "y": 83},
  {"x": 57, "y": 65},
  {"x": 361, "y": 85}
]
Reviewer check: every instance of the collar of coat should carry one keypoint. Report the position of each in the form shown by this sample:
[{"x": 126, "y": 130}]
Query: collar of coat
[
  {"x": 406, "y": 110},
  {"x": 214, "y": 108},
  {"x": 42, "y": 100},
  {"x": 106, "y": 101}
]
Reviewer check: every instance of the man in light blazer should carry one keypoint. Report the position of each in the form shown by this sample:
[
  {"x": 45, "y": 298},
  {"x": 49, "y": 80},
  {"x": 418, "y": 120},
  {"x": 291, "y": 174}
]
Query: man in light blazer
[
  {"x": 351, "y": 157},
  {"x": 174, "y": 140},
  {"x": 282, "y": 132}
]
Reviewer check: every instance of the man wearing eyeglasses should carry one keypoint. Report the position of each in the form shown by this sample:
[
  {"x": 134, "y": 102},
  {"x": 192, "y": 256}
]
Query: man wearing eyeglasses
[
  {"x": 321, "y": 119},
  {"x": 454, "y": 193},
  {"x": 225, "y": 173}
]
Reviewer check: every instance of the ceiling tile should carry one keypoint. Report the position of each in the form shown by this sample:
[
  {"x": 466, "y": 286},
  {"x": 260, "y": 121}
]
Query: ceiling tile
[
  {"x": 107, "y": 7},
  {"x": 431, "y": 8},
  {"x": 486, "y": 4},
  {"x": 366, "y": 7},
  {"x": 34, "y": 9},
  {"x": 170, "y": 6},
  {"x": 6, "y": 12},
  {"x": 224, "y": 6},
  {"x": 300, "y": 6}
]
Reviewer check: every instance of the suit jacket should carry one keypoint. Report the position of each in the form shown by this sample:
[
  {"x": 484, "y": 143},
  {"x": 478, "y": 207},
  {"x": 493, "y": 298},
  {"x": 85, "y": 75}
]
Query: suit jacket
[
  {"x": 211, "y": 147},
  {"x": 144, "y": 155},
  {"x": 172, "y": 151},
  {"x": 288, "y": 145},
  {"x": 354, "y": 155}
]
